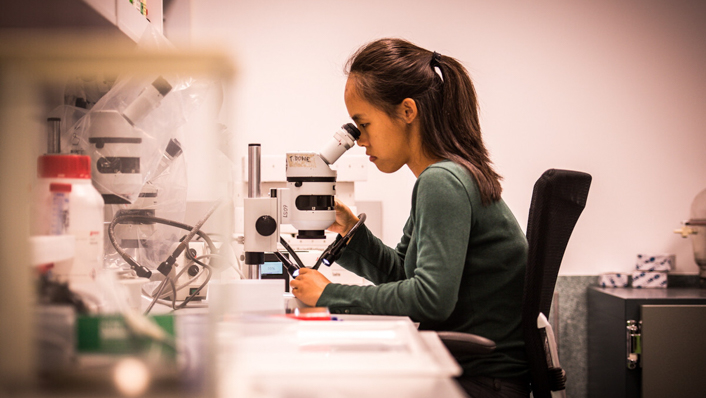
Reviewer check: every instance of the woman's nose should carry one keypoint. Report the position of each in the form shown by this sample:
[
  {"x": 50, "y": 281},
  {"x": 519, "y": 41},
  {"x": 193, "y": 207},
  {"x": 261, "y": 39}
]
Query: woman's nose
[{"x": 362, "y": 140}]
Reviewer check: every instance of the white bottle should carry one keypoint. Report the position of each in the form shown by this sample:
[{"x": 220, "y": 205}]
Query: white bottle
[{"x": 62, "y": 179}]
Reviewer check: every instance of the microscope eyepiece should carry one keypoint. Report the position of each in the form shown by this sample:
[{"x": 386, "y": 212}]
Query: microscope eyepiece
[
  {"x": 342, "y": 140},
  {"x": 352, "y": 130}
]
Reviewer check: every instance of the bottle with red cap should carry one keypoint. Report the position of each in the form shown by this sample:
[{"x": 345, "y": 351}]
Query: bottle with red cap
[{"x": 65, "y": 202}]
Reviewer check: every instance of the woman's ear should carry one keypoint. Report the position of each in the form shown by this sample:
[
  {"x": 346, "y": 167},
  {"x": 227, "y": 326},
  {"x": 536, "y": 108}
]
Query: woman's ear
[{"x": 408, "y": 110}]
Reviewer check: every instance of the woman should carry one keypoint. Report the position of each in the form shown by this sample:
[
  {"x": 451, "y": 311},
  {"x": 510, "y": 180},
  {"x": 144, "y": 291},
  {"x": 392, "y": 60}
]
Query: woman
[{"x": 461, "y": 261}]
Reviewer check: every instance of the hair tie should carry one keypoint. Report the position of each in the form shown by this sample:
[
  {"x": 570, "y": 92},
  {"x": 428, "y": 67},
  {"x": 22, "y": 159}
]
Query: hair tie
[
  {"x": 436, "y": 64},
  {"x": 435, "y": 59}
]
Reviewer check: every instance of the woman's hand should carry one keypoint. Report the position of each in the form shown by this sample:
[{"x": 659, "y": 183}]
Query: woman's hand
[
  {"x": 308, "y": 286},
  {"x": 345, "y": 219}
]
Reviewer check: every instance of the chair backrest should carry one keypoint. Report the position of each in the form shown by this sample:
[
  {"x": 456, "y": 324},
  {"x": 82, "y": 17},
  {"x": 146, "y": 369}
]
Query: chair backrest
[{"x": 558, "y": 199}]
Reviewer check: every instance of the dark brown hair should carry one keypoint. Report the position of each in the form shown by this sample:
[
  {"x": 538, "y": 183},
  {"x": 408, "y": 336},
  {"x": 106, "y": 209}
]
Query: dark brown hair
[{"x": 389, "y": 70}]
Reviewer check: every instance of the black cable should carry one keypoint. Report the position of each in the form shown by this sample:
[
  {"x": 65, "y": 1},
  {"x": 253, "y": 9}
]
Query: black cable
[
  {"x": 291, "y": 268},
  {"x": 134, "y": 217},
  {"x": 291, "y": 251},
  {"x": 333, "y": 252},
  {"x": 141, "y": 270}
]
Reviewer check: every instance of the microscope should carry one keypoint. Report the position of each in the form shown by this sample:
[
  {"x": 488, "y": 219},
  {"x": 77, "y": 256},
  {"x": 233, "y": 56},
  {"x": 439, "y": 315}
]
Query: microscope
[
  {"x": 307, "y": 203},
  {"x": 120, "y": 160},
  {"x": 116, "y": 165}
]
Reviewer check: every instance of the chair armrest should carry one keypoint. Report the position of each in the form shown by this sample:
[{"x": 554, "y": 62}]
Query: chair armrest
[{"x": 460, "y": 344}]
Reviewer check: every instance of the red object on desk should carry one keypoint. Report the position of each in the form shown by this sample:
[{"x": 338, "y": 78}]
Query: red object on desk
[{"x": 311, "y": 314}]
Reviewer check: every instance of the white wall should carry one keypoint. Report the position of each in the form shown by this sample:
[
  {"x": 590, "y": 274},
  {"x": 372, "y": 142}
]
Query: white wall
[{"x": 616, "y": 89}]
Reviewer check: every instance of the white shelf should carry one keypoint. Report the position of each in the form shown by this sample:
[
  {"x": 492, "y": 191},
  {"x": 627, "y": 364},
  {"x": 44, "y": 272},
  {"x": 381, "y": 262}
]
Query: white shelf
[
  {"x": 84, "y": 16},
  {"x": 127, "y": 18},
  {"x": 130, "y": 21}
]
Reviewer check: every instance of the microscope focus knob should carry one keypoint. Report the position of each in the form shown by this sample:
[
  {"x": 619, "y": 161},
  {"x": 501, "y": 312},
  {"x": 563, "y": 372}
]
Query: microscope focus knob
[{"x": 266, "y": 225}]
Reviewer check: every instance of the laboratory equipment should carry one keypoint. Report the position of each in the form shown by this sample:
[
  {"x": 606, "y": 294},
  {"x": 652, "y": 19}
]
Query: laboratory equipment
[
  {"x": 138, "y": 168},
  {"x": 274, "y": 268},
  {"x": 139, "y": 234},
  {"x": 33, "y": 73},
  {"x": 167, "y": 267},
  {"x": 695, "y": 227},
  {"x": 333, "y": 252},
  {"x": 131, "y": 137},
  {"x": 190, "y": 271},
  {"x": 307, "y": 203},
  {"x": 311, "y": 184},
  {"x": 115, "y": 159}
]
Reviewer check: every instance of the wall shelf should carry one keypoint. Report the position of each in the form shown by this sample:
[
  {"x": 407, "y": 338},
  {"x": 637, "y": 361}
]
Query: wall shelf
[{"x": 107, "y": 17}]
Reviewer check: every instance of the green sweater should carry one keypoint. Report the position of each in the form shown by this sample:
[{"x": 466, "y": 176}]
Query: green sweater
[{"x": 460, "y": 266}]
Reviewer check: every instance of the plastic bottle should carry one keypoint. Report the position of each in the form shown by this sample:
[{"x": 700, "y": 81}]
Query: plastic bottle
[{"x": 67, "y": 178}]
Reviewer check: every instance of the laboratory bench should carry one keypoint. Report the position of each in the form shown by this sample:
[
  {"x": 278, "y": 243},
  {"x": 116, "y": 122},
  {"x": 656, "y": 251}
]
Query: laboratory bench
[
  {"x": 646, "y": 342},
  {"x": 276, "y": 355}
]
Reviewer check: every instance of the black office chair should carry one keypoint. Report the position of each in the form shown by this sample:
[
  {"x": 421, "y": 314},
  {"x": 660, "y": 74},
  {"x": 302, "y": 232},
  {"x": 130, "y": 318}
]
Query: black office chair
[{"x": 558, "y": 199}]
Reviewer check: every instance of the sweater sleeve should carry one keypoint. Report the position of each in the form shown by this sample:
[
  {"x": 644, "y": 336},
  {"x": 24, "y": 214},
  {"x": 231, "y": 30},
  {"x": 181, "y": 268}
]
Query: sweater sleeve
[
  {"x": 420, "y": 278},
  {"x": 366, "y": 256}
]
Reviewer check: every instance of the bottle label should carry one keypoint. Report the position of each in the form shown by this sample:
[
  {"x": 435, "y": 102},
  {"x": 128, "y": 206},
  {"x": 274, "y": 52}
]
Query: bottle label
[
  {"x": 89, "y": 253},
  {"x": 59, "y": 218}
]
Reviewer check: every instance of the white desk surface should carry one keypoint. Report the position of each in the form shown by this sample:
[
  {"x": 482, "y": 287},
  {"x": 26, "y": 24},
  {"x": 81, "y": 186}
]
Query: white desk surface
[{"x": 357, "y": 356}]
